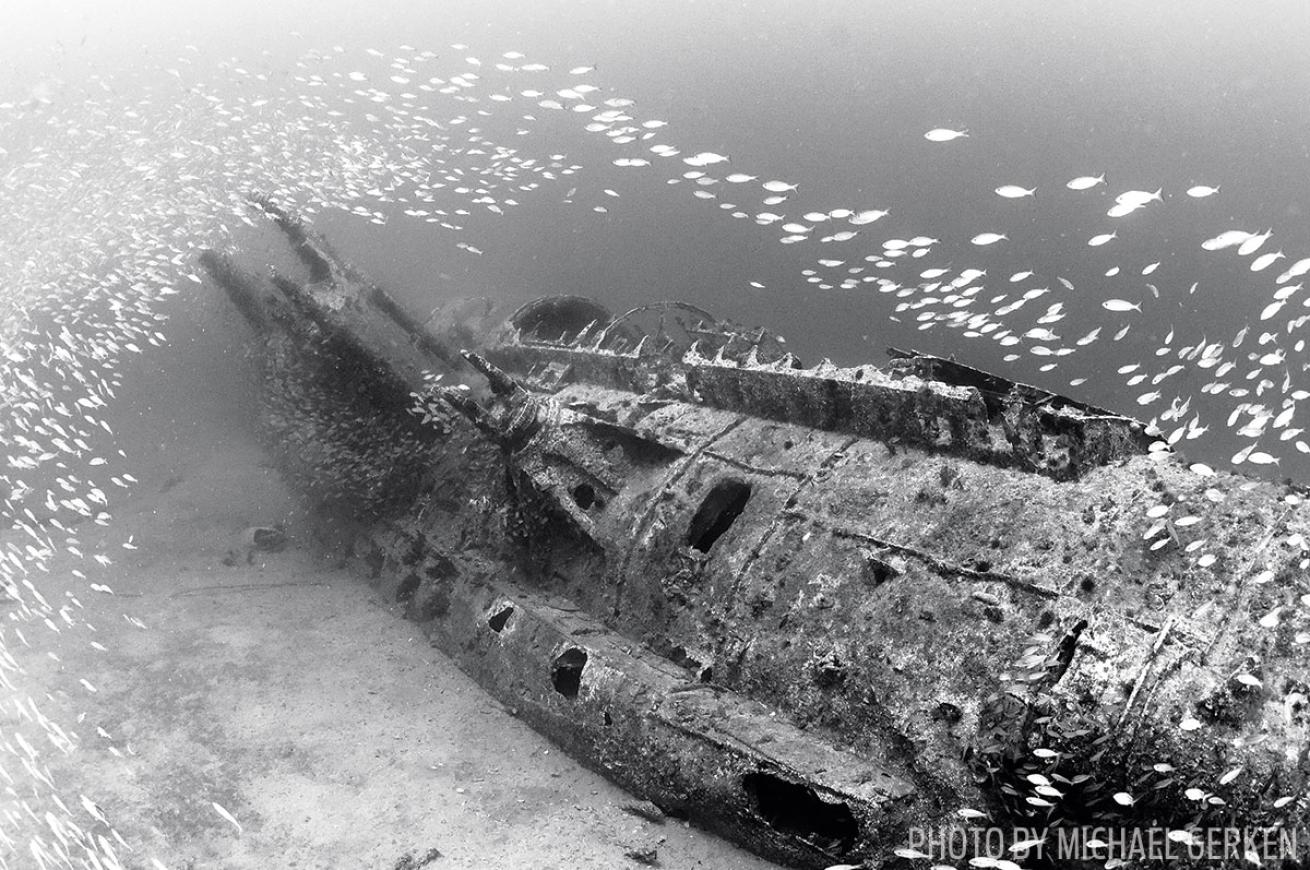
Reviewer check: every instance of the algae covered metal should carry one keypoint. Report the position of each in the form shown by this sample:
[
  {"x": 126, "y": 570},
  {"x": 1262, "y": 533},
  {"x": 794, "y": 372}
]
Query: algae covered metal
[{"x": 826, "y": 611}]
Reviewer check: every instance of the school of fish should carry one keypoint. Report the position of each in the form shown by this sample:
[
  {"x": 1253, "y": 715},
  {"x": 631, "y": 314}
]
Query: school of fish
[{"x": 106, "y": 198}]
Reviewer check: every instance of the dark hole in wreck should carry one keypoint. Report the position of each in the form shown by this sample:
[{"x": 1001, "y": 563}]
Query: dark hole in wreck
[
  {"x": 498, "y": 620},
  {"x": 797, "y": 810},
  {"x": 584, "y": 495},
  {"x": 566, "y": 671},
  {"x": 721, "y": 507}
]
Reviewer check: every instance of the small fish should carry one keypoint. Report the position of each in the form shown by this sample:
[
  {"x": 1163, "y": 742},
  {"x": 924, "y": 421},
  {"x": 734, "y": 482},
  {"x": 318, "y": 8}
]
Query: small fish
[
  {"x": 1097, "y": 241},
  {"x": 1252, "y": 244},
  {"x": 907, "y": 852},
  {"x": 218, "y": 808},
  {"x": 867, "y": 216},
  {"x": 1297, "y": 269},
  {"x": 705, "y": 158},
  {"x": 1262, "y": 262},
  {"x": 1121, "y": 305},
  {"x": 1139, "y": 197},
  {"x": 1089, "y": 337},
  {"x": 941, "y": 134},
  {"x": 1026, "y": 844},
  {"x": 1226, "y": 240},
  {"x": 1085, "y": 182},
  {"x": 740, "y": 178},
  {"x": 1014, "y": 191},
  {"x": 94, "y": 809},
  {"x": 988, "y": 238},
  {"x": 1202, "y": 190},
  {"x": 778, "y": 186}
]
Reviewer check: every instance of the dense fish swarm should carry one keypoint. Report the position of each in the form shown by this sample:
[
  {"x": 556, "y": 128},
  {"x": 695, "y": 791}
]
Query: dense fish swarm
[
  {"x": 343, "y": 451},
  {"x": 107, "y": 194}
]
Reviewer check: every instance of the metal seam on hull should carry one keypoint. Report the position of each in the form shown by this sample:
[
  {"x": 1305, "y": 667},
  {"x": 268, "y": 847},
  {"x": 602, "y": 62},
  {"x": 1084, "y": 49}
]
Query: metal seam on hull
[
  {"x": 769, "y": 531},
  {"x": 940, "y": 565},
  {"x": 652, "y": 504},
  {"x": 755, "y": 469}
]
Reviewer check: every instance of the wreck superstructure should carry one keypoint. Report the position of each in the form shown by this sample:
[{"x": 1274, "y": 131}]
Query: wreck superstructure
[{"x": 809, "y": 608}]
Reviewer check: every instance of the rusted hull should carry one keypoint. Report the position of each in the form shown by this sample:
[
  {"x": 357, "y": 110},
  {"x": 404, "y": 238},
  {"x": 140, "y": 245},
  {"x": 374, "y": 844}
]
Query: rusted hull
[{"x": 812, "y": 609}]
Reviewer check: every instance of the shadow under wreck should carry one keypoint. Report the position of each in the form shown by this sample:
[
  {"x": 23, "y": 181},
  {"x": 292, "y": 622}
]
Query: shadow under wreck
[{"x": 814, "y": 609}]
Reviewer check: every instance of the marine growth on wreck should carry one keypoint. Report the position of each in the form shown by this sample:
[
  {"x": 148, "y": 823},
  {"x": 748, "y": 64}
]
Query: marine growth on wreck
[{"x": 825, "y": 611}]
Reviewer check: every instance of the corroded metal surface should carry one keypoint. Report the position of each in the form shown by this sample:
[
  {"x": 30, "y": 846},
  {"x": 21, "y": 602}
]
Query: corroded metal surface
[{"x": 807, "y": 607}]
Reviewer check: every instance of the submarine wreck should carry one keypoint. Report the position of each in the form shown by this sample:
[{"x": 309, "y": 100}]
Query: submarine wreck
[{"x": 817, "y": 610}]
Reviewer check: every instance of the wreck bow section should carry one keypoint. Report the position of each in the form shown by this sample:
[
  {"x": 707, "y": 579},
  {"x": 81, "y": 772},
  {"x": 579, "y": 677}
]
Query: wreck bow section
[{"x": 807, "y": 607}]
